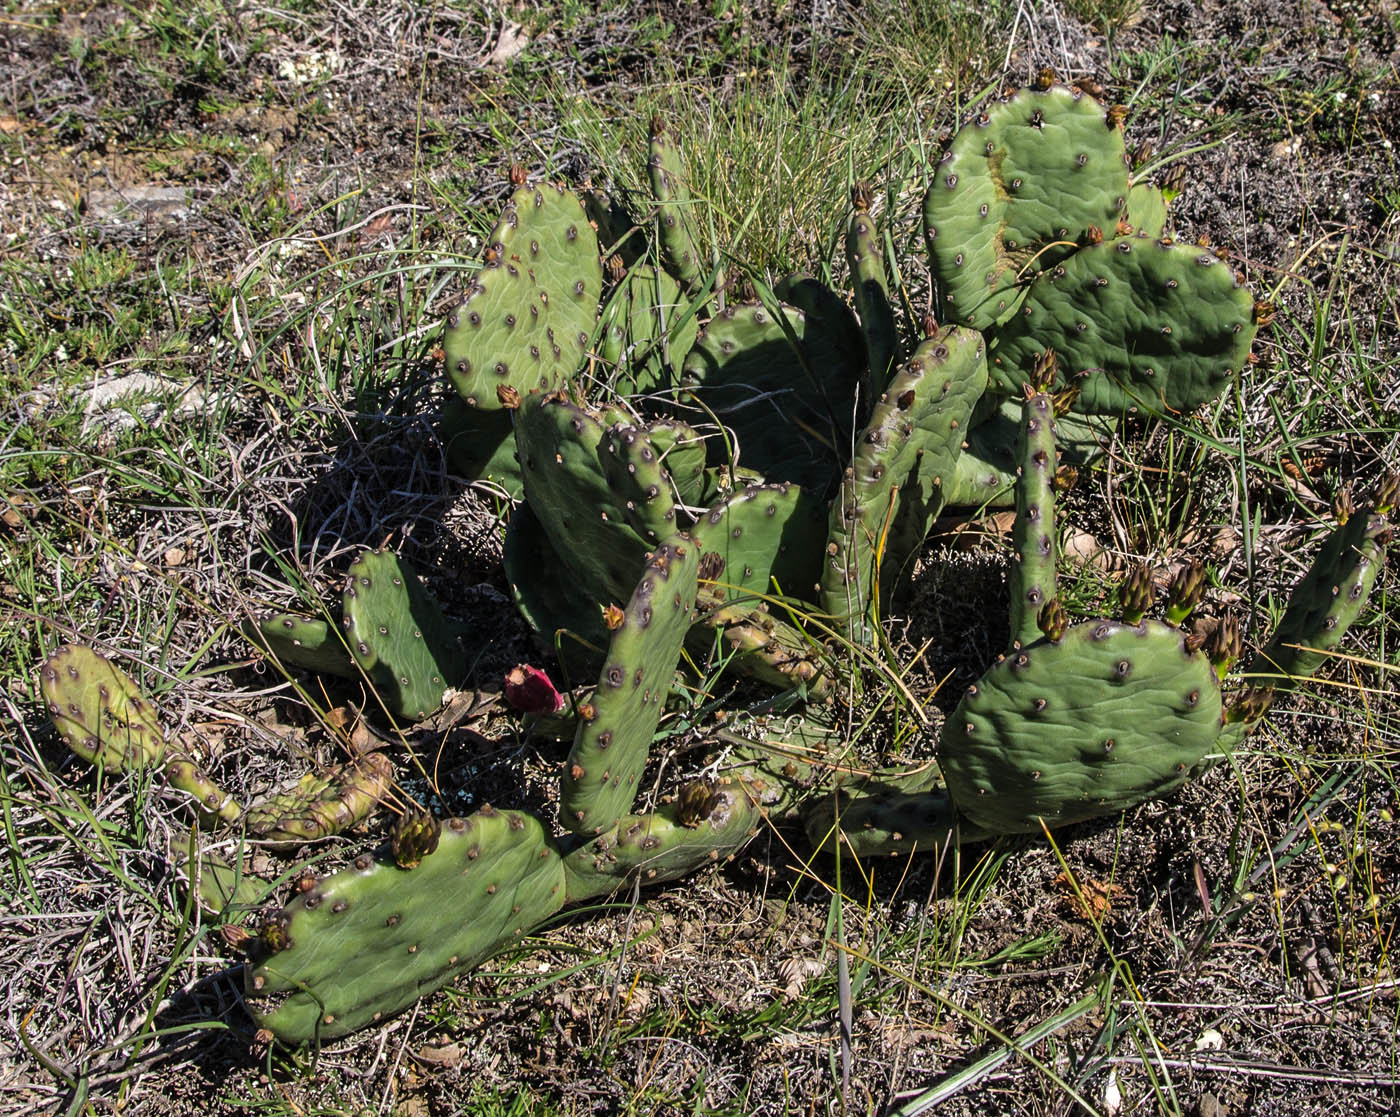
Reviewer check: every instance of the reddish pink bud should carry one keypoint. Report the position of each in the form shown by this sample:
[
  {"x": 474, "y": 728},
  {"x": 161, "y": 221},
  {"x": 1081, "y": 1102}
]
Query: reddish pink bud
[{"x": 529, "y": 690}]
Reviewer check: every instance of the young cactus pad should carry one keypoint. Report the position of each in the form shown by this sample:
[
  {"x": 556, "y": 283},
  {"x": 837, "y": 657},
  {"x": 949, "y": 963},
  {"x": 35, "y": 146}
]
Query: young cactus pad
[
  {"x": 372, "y": 939},
  {"x": 1108, "y": 716},
  {"x": 529, "y": 312},
  {"x": 614, "y": 734},
  {"x": 398, "y": 635}
]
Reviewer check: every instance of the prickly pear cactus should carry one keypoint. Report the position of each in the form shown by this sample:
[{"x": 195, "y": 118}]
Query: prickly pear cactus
[
  {"x": 528, "y": 315},
  {"x": 300, "y": 641},
  {"x": 1028, "y": 221},
  {"x": 704, "y": 825},
  {"x": 675, "y": 205},
  {"x": 780, "y": 380},
  {"x": 614, "y": 736},
  {"x": 1016, "y": 191},
  {"x": 865, "y": 257},
  {"x": 648, "y": 328},
  {"x": 1090, "y": 724},
  {"x": 398, "y": 635},
  {"x": 892, "y": 491},
  {"x": 369, "y": 941}
]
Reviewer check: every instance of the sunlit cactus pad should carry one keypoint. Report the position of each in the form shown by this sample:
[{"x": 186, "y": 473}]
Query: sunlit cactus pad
[
  {"x": 1017, "y": 189},
  {"x": 370, "y": 940},
  {"x": 529, "y": 312},
  {"x": 1107, "y": 717}
]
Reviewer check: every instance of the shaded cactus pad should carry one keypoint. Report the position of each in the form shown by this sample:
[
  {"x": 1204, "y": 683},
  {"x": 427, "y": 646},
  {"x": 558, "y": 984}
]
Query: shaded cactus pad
[{"x": 1108, "y": 717}]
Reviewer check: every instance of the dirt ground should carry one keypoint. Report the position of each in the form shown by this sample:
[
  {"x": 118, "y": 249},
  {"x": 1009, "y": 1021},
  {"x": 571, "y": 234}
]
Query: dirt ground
[{"x": 1253, "y": 972}]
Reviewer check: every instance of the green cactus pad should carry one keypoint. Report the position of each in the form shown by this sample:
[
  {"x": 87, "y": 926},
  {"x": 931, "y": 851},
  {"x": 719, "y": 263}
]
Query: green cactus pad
[
  {"x": 1019, "y": 186},
  {"x": 1327, "y": 601},
  {"x": 675, "y": 206},
  {"x": 371, "y": 940},
  {"x": 614, "y": 737},
  {"x": 546, "y": 593},
  {"x": 1031, "y": 578},
  {"x": 866, "y": 260},
  {"x": 647, "y": 330},
  {"x": 1147, "y": 210},
  {"x": 300, "y": 641},
  {"x": 658, "y": 847},
  {"x": 528, "y": 316},
  {"x": 632, "y": 467},
  {"x": 893, "y": 490},
  {"x": 99, "y": 711},
  {"x": 1135, "y": 323},
  {"x": 398, "y": 635},
  {"x": 220, "y": 888},
  {"x": 762, "y": 535},
  {"x": 783, "y": 385},
  {"x": 480, "y": 445},
  {"x": 558, "y": 444},
  {"x": 1108, "y": 717},
  {"x": 321, "y": 804},
  {"x": 828, "y": 312}
]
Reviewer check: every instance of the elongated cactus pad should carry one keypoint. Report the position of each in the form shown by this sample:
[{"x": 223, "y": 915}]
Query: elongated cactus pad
[
  {"x": 321, "y": 804},
  {"x": 1106, "y": 718},
  {"x": 1017, "y": 189},
  {"x": 372, "y": 939},
  {"x": 675, "y": 840},
  {"x": 764, "y": 647},
  {"x": 301, "y": 641},
  {"x": 1031, "y": 579},
  {"x": 529, "y": 312},
  {"x": 614, "y": 736},
  {"x": 893, "y": 489},
  {"x": 631, "y": 465},
  {"x": 864, "y": 255},
  {"x": 782, "y": 383},
  {"x": 1327, "y": 601},
  {"x": 397, "y": 634},
  {"x": 1136, "y": 324},
  {"x": 675, "y": 209}
]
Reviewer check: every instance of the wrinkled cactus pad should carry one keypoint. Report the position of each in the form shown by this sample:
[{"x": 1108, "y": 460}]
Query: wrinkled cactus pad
[
  {"x": 321, "y": 804},
  {"x": 529, "y": 312},
  {"x": 99, "y": 711}
]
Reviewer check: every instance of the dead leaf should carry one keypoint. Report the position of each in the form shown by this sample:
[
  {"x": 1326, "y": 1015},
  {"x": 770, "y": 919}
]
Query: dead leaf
[
  {"x": 1093, "y": 900},
  {"x": 511, "y": 41}
]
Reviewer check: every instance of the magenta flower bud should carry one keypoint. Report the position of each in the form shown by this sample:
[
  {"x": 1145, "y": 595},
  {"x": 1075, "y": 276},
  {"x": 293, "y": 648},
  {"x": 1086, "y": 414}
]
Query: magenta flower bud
[{"x": 529, "y": 690}]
